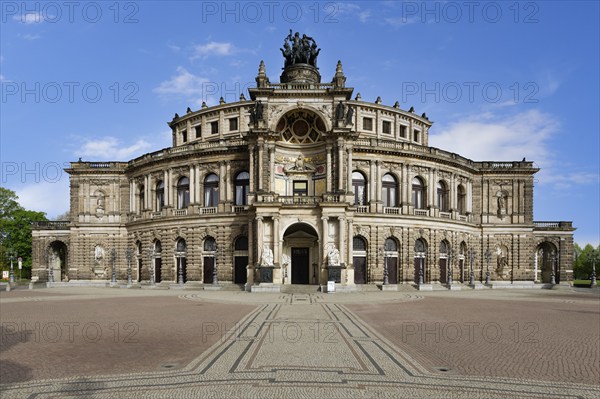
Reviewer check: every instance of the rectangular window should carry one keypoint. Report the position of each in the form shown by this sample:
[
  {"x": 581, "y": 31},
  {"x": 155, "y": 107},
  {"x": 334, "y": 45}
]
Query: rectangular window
[
  {"x": 416, "y": 135},
  {"x": 367, "y": 123},
  {"x": 198, "y": 131},
  {"x": 184, "y": 136},
  {"x": 403, "y": 131},
  {"x": 387, "y": 127},
  {"x": 214, "y": 127},
  {"x": 301, "y": 188},
  {"x": 233, "y": 124}
]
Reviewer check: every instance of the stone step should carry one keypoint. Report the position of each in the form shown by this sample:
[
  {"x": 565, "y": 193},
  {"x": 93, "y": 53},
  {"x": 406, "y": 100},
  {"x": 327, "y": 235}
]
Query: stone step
[{"x": 299, "y": 289}]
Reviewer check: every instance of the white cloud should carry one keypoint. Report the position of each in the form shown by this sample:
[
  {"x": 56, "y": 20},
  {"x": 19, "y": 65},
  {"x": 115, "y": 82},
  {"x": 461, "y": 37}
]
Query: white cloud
[
  {"x": 353, "y": 10},
  {"x": 31, "y": 18},
  {"x": 500, "y": 138},
  {"x": 30, "y": 37},
  {"x": 110, "y": 148},
  {"x": 212, "y": 48},
  {"x": 184, "y": 83},
  {"x": 49, "y": 197}
]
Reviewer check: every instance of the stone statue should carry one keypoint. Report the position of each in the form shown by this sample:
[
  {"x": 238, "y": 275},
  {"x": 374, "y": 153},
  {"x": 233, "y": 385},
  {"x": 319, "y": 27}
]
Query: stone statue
[
  {"x": 100, "y": 202},
  {"x": 349, "y": 116},
  {"x": 300, "y": 162},
  {"x": 333, "y": 257},
  {"x": 302, "y": 50},
  {"x": 501, "y": 203},
  {"x": 98, "y": 253},
  {"x": 339, "y": 111},
  {"x": 267, "y": 256},
  {"x": 258, "y": 111}
]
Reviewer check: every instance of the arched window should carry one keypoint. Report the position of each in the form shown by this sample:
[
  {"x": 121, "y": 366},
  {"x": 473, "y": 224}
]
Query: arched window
[
  {"x": 183, "y": 193},
  {"x": 142, "y": 198},
  {"x": 181, "y": 245},
  {"x": 359, "y": 244},
  {"x": 359, "y": 184},
  {"x": 242, "y": 187},
  {"x": 420, "y": 246},
  {"x": 241, "y": 244},
  {"x": 211, "y": 190},
  {"x": 160, "y": 195},
  {"x": 210, "y": 245},
  {"x": 443, "y": 248},
  {"x": 388, "y": 190},
  {"x": 418, "y": 189},
  {"x": 157, "y": 247},
  {"x": 442, "y": 196},
  {"x": 461, "y": 199},
  {"x": 390, "y": 245}
]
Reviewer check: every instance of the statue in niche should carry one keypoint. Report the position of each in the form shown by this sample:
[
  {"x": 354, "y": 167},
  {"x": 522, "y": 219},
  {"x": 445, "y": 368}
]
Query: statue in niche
[
  {"x": 349, "y": 116},
  {"x": 300, "y": 162},
  {"x": 267, "y": 256},
  {"x": 501, "y": 200},
  {"x": 98, "y": 253},
  {"x": 100, "y": 201},
  {"x": 339, "y": 111},
  {"x": 502, "y": 260}
]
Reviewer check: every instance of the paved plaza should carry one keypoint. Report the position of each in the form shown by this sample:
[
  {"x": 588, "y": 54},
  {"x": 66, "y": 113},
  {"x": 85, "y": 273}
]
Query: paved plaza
[{"x": 113, "y": 343}]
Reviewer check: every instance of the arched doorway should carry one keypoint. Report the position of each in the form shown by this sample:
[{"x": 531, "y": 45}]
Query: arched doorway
[
  {"x": 391, "y": 258},
  {"x": 420, "y": 264},
  {"x": 461, "y": 261},
  {"x": 547, "y": 260},
  {"x": 181, "y": 261},
  {"x": 300, "y": 245},
  {"x": 359, "y": 260},
  {"x": 58, "y": 260},
  {"x": 444, "y": 249},
  {"x": 138, "y": 256},
  {"x": 208, "y": 259},
  {"x": 157, "y": 262},
  {"x": 240, "y": 260}
]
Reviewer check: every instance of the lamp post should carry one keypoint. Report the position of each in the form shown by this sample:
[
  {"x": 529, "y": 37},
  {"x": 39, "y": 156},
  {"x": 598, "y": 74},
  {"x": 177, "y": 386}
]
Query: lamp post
[
  {"x": 11, "y": 277},
  {"x": 450, "y": 255},
  {"x": 488, "y": 256},
  {"x": 593, "y": 282},
  {"x": 129, "y": 255},
  {"x": 553, "y": 258},
  {"x": 215, "y": 278},
  {"x": 113, "y": 258},
  {"x": 472, "y": 256}
]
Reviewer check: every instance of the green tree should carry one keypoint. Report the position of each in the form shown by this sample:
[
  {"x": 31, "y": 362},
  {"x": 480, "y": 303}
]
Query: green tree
[
  {"x": 584, "y": 259},
  {"x": 15, "y": 229}
]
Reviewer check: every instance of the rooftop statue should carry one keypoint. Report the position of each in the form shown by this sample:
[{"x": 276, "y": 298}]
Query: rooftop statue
[{"x": 300, "y": 50}]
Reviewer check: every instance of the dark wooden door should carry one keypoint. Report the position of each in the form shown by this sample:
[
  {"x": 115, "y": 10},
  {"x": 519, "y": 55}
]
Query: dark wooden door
[
  {"x": 443, "y": 271},
  {"x": 360, "y": 269},
  {"x": 183, "y": 266},
  {"x": 240, "y": 270},
  {"x": 209, "y": 264},
  {"x": 300, "y": 263},
  {"x": 418, "y": 270},
  {"x": 139, "y": 267},
  {"x": 392, "y": 266},
  {"x": 157, "y": 270}
]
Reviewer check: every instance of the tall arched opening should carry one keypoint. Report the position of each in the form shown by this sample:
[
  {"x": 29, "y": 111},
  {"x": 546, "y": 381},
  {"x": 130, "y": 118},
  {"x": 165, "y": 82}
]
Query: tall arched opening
[{"x": 301, "y": 246}]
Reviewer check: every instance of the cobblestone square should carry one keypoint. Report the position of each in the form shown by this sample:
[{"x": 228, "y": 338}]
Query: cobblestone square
[{"x": 108, "y": 343}]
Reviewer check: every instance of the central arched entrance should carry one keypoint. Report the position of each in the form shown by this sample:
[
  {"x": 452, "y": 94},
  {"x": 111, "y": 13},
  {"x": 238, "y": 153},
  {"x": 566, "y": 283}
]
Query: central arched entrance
[{"x": 300, "y": 254}]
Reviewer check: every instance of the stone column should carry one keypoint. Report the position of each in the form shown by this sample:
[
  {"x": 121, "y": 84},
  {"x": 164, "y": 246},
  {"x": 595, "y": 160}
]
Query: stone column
[
  {"x": 166, "y": 187},
  {"x": 329, "y": 169},
  {"x": 259, "y": 236},
  {"x": 271, "y": 168},
  {"x": 342, "y": 239},
  {"x": 260, "y": 166},
  {"x": 198, "y": 194},
  {"x": 227, "y": 179},
  {"x": 470, "y": 197},
  {"x": 192, "y": 181},
  {"x": 251, "y": 171},
  {"x": 325, "y": 229},
  {"x": 349, "y": 182},
  {"x": 276, "y": 241},
  {"x": 148, "y": 191},
  {"x": 251, "y": 261},
  {"x": 371, "y": 180},
  {"x": 132, "y": 196},
  {"x": 340, "y": 166}
]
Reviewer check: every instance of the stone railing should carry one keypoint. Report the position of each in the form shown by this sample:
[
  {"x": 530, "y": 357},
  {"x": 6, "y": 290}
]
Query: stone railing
[
  {"x": 51, "y": 225},
  {"x": 301, "y": 86},
  {"x": 420, "y": 212},
  {"x": 207, "y": 211},
  {"x": 224, "y": 145},
  {"x": 392, "y": 210},
  {"x": 299, "y": 200},
  {"x": 155, "y": 215},
  {"x": 362, "y": 209},
  {"x": 552, "y": 225},
  {"x": 180, "y": 212},
  {"x": 239, "y": 208},
  {"x": 445, "y": 215}
]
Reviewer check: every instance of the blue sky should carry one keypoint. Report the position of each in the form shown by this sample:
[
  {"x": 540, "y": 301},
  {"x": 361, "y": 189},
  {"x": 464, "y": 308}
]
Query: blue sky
[{"x": 501, "y": 81}]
